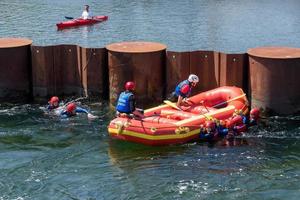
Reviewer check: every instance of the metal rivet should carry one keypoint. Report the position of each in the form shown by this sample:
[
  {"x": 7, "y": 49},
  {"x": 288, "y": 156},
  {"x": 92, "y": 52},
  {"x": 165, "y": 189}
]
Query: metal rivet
[
  {"x": 37, "y": 51},
  {"x": 205, "y": 56},
  {"x": 234, "y": 59},
  {"x": 94, "y": 54},
  {"x": 174, "y": 56},
  {"x": 70, "y": 50}
]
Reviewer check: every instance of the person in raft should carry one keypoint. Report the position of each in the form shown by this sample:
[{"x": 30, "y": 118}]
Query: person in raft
[
  {"x": 183, "y": 90},
  {"x": 85, "y": 14},
  {"x": 72, "y": 109},
  {"x": 126, "y": 103},
  {"x": 53, "y": 103}
]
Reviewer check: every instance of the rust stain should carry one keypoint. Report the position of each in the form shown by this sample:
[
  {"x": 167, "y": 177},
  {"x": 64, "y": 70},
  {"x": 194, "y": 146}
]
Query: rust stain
[
  {"x": 275, "y": 52},
  {"x": 14, "y": 42},
  {"x": 136, "y": 47}
]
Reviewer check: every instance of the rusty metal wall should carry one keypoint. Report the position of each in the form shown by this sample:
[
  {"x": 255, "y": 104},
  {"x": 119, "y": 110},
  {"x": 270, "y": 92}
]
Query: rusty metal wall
[
  {"x": 233, "y": 70},
  {"x": 177, "y": 69},
  {"x": 66, "y": 70},
  {"x": 15, "y": 70},
  {"x": 205, "y": 64},
  {"x": 68, "y": 77},
  {"x": 94, "y": 69},
  {"x": 274, "y": 84},
  {"x": 145, "y": 69},
  {"x": 43, "y": 71}
]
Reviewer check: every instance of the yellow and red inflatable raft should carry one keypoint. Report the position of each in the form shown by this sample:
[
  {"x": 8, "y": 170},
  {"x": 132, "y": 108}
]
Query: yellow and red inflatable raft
[{"x": 166, "y": 124}]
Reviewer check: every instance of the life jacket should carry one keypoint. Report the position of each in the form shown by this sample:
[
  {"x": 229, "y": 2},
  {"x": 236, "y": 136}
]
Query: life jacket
[
  {"x": 179, "y": 86},
  {"x": 123, "y": 105},
  {"x": 222, "y": 131}
]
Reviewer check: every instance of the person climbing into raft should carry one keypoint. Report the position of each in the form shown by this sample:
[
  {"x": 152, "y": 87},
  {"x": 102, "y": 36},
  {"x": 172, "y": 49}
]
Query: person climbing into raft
[
  {"x": 126, "y": 105},
  {"x": 72, "y": 109},
  {"x": 183, "y": 90}
]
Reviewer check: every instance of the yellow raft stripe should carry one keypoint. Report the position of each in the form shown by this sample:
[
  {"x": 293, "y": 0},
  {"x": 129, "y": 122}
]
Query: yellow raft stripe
[
  {"x": 154, "y": 137},
  {"x": 180, "y": 123}
]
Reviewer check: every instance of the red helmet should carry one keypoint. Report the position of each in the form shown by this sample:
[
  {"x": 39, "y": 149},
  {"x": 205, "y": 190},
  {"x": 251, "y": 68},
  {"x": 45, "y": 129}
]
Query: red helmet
[
  {"x": 129, "y": 85},
  {"x": 210, "y": 124},
  {"x": 235, "y": 120},
  {"x": 255, "y": 112},
  {"x": 54, "y": 99},
  {"x": 71, "y": 107}
]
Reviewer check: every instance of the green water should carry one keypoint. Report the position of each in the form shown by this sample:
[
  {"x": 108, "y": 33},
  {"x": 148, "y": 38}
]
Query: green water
[{"x": 44, "y": 157}]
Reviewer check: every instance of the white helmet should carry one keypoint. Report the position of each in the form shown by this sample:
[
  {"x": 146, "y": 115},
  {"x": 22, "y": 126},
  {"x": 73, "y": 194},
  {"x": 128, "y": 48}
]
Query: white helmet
[{"x": 193, "y": 78}]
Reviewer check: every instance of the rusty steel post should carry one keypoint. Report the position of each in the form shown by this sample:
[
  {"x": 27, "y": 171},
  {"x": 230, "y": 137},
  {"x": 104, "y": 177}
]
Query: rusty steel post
[
  {"x": 15, "y": 69},
  {"x": 274, "y": 79},
  {"x": 141, "y": 62}
]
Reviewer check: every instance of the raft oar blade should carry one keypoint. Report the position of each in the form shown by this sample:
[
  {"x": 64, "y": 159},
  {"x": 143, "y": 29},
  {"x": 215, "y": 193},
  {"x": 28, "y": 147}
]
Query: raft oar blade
[{"x": 173, "y": 105}]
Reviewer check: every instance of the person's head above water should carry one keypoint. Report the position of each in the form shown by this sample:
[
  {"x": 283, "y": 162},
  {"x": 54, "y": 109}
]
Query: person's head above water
[
  {"x": 86, "y": 7},
  {"x": 71, "y": 108},
  {"x": 54, "y": 101}
]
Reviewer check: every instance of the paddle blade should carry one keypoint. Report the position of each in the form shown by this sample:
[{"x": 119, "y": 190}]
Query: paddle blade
[
  {"x": 69, "y": 17},
  {"x": 173, "y": 105}
]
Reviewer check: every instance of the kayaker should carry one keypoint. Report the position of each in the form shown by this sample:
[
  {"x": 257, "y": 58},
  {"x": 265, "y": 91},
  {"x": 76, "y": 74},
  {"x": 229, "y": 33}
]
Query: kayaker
[
  {"x": 126, "y": 103},
  {"x": 85, "y": 14},
  {"x": 72, "y": 109},
  {"x": 183, "y": 90},
  {"x": 53, "y": 103}
]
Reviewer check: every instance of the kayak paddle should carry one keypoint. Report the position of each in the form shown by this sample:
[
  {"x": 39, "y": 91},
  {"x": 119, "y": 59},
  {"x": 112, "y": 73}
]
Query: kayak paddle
[{"x": 69, "y": 17}]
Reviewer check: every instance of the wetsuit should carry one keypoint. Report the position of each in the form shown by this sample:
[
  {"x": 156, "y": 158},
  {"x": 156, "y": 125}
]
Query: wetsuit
[{"x": 66, "y": 114}]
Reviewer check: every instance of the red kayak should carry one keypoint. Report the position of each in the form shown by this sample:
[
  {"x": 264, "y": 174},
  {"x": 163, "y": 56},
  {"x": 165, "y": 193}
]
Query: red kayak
[{"x": 81, "y": 22}]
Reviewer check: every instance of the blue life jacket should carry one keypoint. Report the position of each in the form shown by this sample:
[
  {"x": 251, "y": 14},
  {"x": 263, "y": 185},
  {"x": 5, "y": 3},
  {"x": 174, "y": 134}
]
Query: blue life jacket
[
  {"x": 222, "y": 131},
  {"x": 123, "y": 104},
  {"x": 179, "y": 86}
]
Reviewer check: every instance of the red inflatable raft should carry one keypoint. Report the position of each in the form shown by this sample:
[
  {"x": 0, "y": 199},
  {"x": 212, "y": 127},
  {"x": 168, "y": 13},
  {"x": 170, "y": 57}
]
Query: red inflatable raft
[
  {"x": 166, "y": 124},
  {"x": 81, "y": 22}
]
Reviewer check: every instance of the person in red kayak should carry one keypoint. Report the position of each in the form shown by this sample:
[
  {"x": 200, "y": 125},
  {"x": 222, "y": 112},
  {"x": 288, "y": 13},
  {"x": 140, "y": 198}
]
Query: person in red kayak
[{"x": 85, "y": 14}]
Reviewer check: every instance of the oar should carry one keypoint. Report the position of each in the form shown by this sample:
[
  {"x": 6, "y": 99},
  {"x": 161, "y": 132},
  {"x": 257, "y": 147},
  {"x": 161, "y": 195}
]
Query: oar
[
  {"x": 235, "y": 98},
  {"x": 173, "y": 105}
]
